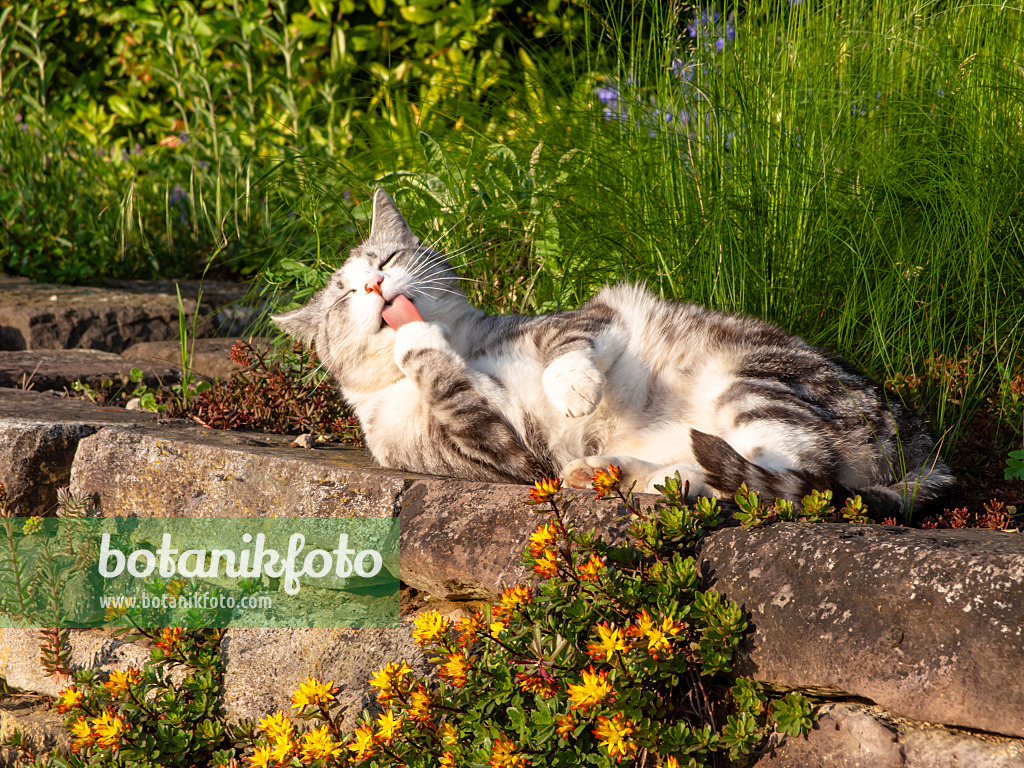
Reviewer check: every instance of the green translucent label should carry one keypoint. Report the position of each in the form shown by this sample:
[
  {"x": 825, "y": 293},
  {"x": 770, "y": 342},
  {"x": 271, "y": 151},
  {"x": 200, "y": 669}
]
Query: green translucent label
[{"x": 154, "y": 572}]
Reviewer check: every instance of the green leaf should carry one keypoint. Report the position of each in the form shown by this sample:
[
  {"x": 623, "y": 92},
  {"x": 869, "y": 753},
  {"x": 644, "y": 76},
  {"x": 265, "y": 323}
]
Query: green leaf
[
  {"x": 1015, "y": 466},
  {"x": 321, "y": 8},
  {"x": 794, "y": 714},
  {"x": 417, "y": 15},
  {"x": 119, "y": 105}
]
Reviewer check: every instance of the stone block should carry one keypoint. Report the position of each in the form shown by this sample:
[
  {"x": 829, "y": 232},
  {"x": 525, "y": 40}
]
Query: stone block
[
  {"x": 844, "y": 737},
  {"x": 185, "y": 471},
  {"x": 39, "y": 434},
  {"x": 39, "y": 316},
  {"x": 927, "y": 624},
  {"x": 856, "y": 736},
  {"x": 465, "y": 541},
  {"x": 43, "y": 727}
]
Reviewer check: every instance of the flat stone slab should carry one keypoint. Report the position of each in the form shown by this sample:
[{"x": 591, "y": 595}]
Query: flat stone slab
[
  {"x": 34, "y": 719},
  {"x": 226, "y": 304},
  {"x": 182, "y": 470},
  {"x": 928, "y": 624},
  {"x": 58, "y": 369},
  {"x": 465, "y": 541},
  {"x": 43, "y": 316}
]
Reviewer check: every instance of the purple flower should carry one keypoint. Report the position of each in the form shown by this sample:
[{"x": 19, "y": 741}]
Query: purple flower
[
  {"x": 705, "y": 26},
  {"x": 610, "y": 95},
  {"x": 178, "y": 195}
]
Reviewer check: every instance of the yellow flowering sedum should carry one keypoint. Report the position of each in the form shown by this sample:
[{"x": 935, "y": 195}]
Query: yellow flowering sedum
[
  {"x": 546, "y": 564},
  {"x": 469, "y": 628},
  {"x": 430, "y": 627},
  {"x": 450, "y": 734},
  {"x": 388, "y": 680},
  {"x": 120, "y": 682},
  {"x": 613, "y": 734},
  {"x": 594, "y": 689},
  {"x": 261, "y": 757},
  {"x": 591, "y": 570},
  {"x": 363, "y": 742},
  {"x": 284, "y": 748},
  {"x": 606, "y": 480},
  {"x": 277, "y": 726},
  {"x": 388, "y": 726},
  {"x": 455, "y": 669},
  {"x": 318, "y": 744},
  {"x": 610, "y": 640},
  {"x": 420, "y": 703},
  {"x": 545, "y": 490},
  {"x": 68, "y": 699},
  {"x": 504, "y": 755},
  {"x": 543, "y": 537},
  {"x": 108, "y": 729},
  {"x": 313, "y": 693},
  {"x": 82, "y": 733}
]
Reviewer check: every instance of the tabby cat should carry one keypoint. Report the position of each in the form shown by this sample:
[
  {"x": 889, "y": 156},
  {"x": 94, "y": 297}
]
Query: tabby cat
[{"x": 653, "y": 386}]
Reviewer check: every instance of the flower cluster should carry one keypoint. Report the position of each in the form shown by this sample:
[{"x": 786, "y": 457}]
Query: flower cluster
[
  {"x": 611, "y": 655},
  {"x": 91, "y": 729}
]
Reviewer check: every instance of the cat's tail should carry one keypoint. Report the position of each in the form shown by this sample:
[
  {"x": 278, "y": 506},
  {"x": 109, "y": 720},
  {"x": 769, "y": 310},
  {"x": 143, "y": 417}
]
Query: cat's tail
[{"x": 726, "y": 470}]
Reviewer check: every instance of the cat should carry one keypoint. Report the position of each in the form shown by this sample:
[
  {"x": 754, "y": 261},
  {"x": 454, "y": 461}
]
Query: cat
[{"x": 654, "y": 387}]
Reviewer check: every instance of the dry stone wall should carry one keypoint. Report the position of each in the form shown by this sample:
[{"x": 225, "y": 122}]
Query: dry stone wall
[{"x": 916, "y": 637}]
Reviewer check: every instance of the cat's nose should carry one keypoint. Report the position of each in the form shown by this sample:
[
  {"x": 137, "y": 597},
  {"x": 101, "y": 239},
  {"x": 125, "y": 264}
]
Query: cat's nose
[{"x": 373, "y": 284}]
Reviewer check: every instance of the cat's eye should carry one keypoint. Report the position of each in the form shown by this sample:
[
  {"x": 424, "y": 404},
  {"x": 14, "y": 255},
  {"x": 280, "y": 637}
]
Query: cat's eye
[{"x": 388, "y": 259}]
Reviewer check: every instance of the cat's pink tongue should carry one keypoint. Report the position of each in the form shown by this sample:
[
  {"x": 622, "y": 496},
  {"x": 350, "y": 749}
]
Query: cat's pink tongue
[{"x": 399, "y": 312}]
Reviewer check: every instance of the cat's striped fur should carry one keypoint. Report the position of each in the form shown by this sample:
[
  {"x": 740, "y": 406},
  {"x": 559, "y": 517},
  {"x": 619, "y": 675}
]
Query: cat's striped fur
[{"x": 655, "y": 387}]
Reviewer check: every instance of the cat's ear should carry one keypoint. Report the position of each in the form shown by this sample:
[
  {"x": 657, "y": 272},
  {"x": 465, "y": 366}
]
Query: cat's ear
[
  {"x": 388, "y": 224},
  {"x": 302, "y": 323}
]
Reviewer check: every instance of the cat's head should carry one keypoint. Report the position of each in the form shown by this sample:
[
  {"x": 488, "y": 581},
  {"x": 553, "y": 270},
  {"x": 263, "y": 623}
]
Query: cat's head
[{"x": 344, "y": 321}]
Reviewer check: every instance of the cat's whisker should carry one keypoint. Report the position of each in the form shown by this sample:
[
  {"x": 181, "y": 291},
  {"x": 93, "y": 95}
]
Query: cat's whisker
[
  {"x": 447, "y": 232},
  {"x": 437, "y": 289}
]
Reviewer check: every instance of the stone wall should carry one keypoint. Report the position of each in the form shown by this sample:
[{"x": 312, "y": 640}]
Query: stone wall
[{"x": 916, "y": 637}]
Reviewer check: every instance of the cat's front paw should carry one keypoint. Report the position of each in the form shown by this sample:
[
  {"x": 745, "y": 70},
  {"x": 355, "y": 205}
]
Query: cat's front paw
[
  {"x": 573, "y": 384},
  {"x": 420, "y": 335}
]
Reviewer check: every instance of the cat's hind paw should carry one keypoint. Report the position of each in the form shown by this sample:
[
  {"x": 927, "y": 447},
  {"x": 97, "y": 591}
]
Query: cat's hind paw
[
  {"x": 580, "y": 473},
  {"x": 573, "y": 384}
]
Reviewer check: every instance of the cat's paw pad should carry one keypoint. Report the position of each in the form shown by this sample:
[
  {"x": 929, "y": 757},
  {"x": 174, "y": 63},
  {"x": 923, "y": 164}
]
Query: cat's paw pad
[
  {"x": 420, "y": 335},
  {"x": 573, "y": 384}
]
